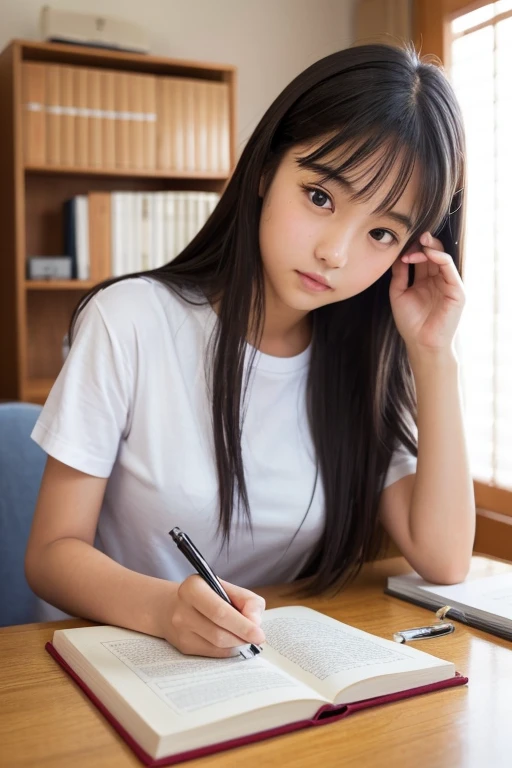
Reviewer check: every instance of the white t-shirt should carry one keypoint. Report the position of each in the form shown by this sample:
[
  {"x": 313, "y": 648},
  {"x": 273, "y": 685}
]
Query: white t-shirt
[{"x": 131, "y": 404}]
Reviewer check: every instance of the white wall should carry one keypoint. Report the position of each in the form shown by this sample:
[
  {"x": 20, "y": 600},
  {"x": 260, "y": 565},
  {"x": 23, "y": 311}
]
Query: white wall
[{"x": 270, "y": 41}]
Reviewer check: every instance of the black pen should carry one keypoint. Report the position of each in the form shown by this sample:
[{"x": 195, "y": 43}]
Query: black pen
[{"x": 195, "y": 558}]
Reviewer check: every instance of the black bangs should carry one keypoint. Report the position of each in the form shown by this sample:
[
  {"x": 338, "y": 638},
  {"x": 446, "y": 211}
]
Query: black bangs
[{"x": 382, "y": 156}]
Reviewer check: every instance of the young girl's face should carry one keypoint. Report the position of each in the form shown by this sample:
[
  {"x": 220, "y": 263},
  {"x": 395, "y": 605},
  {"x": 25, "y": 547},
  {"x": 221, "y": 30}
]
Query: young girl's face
[{"x": 318, "y": 245}]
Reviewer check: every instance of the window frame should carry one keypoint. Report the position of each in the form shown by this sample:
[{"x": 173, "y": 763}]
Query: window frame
[{"x": 430, "y": 31}]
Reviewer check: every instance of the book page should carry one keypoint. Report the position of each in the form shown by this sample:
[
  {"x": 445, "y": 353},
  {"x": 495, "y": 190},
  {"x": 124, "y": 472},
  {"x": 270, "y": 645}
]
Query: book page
[
  {"x": 330, "y": 656},
  {"x": 175, "y": 691}
]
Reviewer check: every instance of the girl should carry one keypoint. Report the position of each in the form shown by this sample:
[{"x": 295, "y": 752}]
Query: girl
[{"x": 284, "y": 385}]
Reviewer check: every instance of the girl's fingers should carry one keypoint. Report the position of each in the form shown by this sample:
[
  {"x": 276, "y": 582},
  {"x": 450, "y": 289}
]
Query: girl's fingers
[
  {"x": 429, "y": 241},
  {"x": 445, "y": 265},
  {"x": 400, "y": 279},
  {"x": 219, "y": 637},
  {"x": 414, "y": 258}
]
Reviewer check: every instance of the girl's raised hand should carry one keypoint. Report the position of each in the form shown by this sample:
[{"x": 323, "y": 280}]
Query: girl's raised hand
[
  {"x": 428, "y": 312},
  {"x": 203, "y": 624}
]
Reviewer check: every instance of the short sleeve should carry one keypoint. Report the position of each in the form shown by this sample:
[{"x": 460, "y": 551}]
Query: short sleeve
[
  {"x": 402, "y": 463},
  {"x": 87, "y": 411}
]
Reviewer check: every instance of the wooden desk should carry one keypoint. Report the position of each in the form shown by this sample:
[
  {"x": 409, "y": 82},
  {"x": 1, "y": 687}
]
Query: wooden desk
[{"x": 45, "y": 720}]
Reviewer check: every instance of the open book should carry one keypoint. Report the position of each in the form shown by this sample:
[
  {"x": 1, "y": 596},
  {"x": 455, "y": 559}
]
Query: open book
[
  {"x": 170, "y": 707},
  {"x": 484, "y": 603}
]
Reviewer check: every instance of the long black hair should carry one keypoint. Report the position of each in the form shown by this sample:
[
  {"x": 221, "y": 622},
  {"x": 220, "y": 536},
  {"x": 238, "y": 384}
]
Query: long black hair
[{"x": 377, "y": 101}]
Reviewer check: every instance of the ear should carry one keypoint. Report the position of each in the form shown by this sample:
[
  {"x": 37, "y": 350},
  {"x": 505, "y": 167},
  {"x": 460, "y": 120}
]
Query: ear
[{"x": 261, "y": 187}]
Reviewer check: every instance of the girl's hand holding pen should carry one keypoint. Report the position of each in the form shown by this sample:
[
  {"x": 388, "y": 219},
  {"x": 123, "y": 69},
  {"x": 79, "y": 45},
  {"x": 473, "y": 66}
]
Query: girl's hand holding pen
[{"x": 202, "y": 623}]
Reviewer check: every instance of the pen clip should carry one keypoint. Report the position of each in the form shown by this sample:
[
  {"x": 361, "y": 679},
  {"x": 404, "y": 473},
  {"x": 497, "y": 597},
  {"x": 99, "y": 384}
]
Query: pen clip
[{"x": 424, "y": 633}]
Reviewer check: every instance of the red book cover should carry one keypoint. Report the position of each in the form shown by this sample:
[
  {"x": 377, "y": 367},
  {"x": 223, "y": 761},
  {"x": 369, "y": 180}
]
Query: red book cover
[{"x": 326, "y": 714}]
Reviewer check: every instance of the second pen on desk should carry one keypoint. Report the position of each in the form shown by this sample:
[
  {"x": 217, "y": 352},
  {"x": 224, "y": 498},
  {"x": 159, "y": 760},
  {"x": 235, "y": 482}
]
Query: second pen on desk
[{"x": 195, "y": 558}]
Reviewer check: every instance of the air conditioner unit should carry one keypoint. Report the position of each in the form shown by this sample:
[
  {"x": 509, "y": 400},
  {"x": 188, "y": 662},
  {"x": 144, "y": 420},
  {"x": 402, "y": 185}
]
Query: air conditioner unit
[{"x": 88, "y": 29}]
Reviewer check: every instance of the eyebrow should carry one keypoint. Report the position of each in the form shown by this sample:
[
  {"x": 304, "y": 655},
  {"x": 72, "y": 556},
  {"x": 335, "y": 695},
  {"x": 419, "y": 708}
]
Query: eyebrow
[{"x": 340, "y": 181}]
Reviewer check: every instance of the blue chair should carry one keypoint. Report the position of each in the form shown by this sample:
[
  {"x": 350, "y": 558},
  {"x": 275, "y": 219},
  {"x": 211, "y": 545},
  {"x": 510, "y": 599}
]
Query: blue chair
[{"x": 21, "y": 468}]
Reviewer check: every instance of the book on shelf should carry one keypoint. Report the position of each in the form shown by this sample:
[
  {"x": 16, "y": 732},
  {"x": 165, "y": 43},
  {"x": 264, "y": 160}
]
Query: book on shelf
[
  {"x": 313, "y": 670},
  {"x": 483, "y": 602},
  {"x": 88, "y": 117},
  {"x": 118, "y": 233}
]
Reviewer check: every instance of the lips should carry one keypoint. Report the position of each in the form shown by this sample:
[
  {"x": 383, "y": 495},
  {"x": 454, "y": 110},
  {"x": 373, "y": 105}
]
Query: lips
[
  {"x": 313, "y": 281},
  {"x": 316, "y": 278}
]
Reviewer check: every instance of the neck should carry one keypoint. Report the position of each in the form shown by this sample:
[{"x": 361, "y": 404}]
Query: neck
[{"x": 286, "y": 331}]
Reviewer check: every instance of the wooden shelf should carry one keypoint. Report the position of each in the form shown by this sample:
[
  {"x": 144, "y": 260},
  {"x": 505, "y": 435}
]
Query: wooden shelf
[
  {"x": 59, "y": 285},
  {"x": 35, "y": 314},
  {"x": 37, "y": 390},
  {"x": 53, "y": 170}
]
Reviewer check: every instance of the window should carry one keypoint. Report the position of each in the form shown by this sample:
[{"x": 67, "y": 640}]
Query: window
[{"x": 480, "y": 55}]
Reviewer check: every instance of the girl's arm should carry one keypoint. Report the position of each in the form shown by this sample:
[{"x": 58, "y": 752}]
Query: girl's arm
[
  {"x": 431, "y": 515},
  {"x": 63, "y": 567}
]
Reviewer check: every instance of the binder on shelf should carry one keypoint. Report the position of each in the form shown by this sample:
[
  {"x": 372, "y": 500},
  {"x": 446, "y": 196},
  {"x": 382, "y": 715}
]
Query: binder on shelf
[
  {"x": 95, "y": 118},
  {"x": 122, "y": 120},
  {"x": 201, "y": 125},
  {"x": 224, "y": 128},
  {"x": 68, "y": 115},
  {"x": 136, "y": 121},
  {"x": 33, "y": 79},
  {"x": 100, "y": 235},
  {"x": 178, "y": 127},
  {"x": 213, "y": 127},
  {"x": 163, "y": 123},
  {"x": 53, "y": 115},
  {"x": 82, "y": 117},
  {"x": 189, "y": 118},
  {"x": 149, "y": 122},
  {"x": 108, "y": 110}
]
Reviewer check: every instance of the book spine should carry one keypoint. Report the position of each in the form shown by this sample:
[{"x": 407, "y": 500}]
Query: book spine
[
  {"x": 70, "y": 234},
  {"x": 163, "y": 123},
  {"x": 122, "y": 121},
  {"x": 145, "y": 230},
  {"x": 178, "y": 128},
  {"x": 136, "y": 122},
  {"x": 149, "y": 122},
  {"x": 203, "y": 121},
  {"x": 224, "y": 152},
  {"x": 189, "y": 120},
  {"x": 181, "y": 222},
  {"x": 53, "y": 115},
  {"x": 95, "y": 120},
  {"x": 212, "y": 128},
  {"x": 68, "y": 115},
  {"x": 169, "y": 226},
  {"x": 118, "y": 259},
  {"x": 34, "y": 117},
  {"x": 158, "y": 224},
  {"x": 100, "y": 235},
  {"x": 136, "y": 229},
  {"x": 108, "y": 110},
  {"x": 82, "y": 117},
  {"x": 82, "y": 237}
]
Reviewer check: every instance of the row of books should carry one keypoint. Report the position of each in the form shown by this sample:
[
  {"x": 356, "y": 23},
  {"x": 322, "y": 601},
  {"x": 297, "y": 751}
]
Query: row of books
[
  {"x": 117, "y": 233},
  {"x": 104, "y": 119}
]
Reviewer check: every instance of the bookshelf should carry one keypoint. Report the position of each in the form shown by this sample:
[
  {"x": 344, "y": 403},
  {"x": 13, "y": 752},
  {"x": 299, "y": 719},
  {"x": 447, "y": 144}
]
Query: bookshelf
[{"x": 34, "y": 314}]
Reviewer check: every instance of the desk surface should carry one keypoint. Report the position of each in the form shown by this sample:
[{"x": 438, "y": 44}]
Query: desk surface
[{"x": 45, "y": 720}]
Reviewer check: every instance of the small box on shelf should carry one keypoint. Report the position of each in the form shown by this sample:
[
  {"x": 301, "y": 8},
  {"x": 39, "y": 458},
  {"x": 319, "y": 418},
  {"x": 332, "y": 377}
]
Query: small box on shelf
[{"x": 49, "y": 268}]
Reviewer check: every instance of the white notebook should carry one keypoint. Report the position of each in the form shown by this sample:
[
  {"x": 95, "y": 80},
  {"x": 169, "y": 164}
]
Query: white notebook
[{"x": 483, "y": 602}]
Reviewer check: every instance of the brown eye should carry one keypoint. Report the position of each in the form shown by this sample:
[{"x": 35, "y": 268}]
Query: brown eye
[
  {"x": 318, "y": 197},
  {"x": 381, "y": 234}
]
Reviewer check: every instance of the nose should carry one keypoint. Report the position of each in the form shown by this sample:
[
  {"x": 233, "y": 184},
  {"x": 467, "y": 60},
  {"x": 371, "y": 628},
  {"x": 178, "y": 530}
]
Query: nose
[
  {"x": 334, "y": 246},
  {"x": 333, "y": 256}
]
